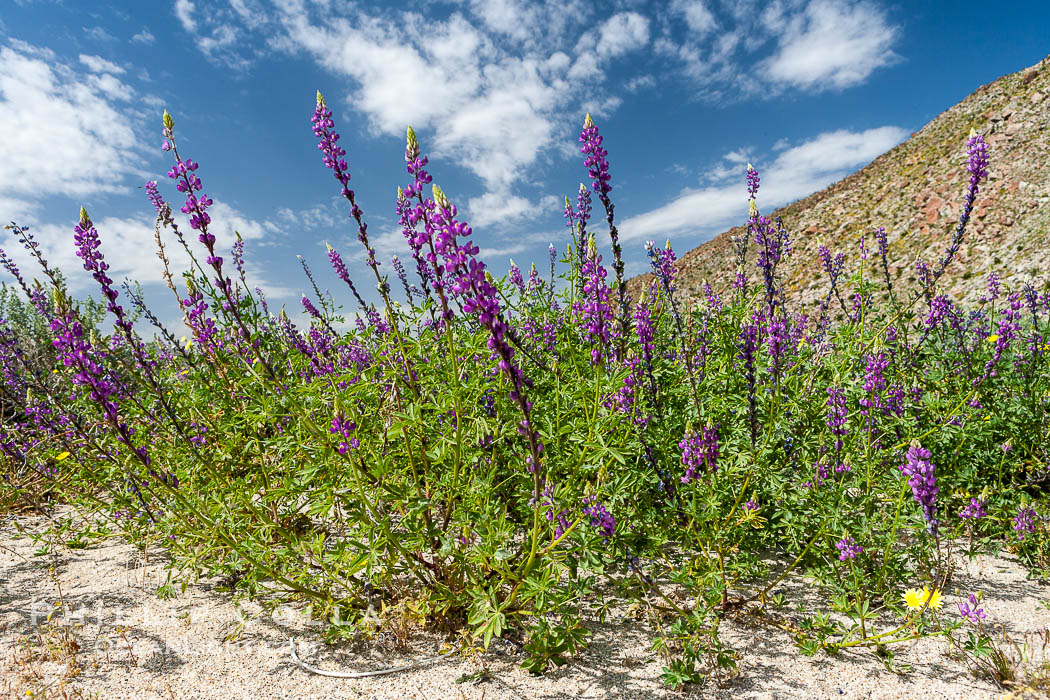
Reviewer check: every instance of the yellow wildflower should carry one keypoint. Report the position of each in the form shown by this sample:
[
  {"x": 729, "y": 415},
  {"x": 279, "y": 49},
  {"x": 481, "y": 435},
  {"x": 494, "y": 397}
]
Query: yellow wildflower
[
  {"x": 62, "y": 456},
  {"x": 993, "y": 338},
  {"x": 915, "y": 599}
]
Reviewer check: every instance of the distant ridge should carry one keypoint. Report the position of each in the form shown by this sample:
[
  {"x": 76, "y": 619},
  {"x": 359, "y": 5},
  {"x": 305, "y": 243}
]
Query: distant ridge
[{"x": 915, "y": 190}]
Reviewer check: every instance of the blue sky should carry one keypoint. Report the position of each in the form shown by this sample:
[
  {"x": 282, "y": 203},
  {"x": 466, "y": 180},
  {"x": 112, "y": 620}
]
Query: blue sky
[{"x": 685, "y": 92}]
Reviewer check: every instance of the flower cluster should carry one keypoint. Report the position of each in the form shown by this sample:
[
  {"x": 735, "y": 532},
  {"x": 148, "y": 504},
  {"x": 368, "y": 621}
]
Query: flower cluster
[
  {"x": 596, "y": 314},
  {"x": 344, "y": 428},
  {"x": 973, "y": 510},
  {"x": 848, "y": 549},
  {"x": 600, "y": 518},
  {"x": 919, "y": 470},
  {"x": 971, "y": 610},
  {"x": 699, "y": 452},
  {"x": 1024, "y": 521}
]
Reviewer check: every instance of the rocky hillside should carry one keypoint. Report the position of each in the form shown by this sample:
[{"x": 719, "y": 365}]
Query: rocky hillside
[{"x": 916, "y": 190}]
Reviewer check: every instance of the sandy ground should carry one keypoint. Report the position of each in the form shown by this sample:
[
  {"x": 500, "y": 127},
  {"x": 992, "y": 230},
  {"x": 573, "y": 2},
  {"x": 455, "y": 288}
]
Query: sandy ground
[{"x": 201, "y": 644}]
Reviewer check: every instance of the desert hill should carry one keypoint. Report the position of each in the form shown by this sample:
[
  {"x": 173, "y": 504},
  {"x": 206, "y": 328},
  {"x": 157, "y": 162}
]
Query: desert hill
[{"x": 916, "y": 190}]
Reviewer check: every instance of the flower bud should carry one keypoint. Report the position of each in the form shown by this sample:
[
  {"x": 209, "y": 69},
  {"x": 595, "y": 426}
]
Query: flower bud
[
  {"x": 169, "y": 123},
  {"x": 439, "y": 197}
]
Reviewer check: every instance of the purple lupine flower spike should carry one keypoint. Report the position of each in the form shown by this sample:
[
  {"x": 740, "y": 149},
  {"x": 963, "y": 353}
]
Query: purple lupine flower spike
[
  {"x": 596, "y": 314},
  {"x": 600, "y": 518},
  {"x": 973, "y": 510},
  {"x": 848, "y": 549},
  {"x": 598, "y": 169},
  {"x": 977, "y": 166},
  {"x": 1024, "y": 521},
  {"x": 699, "y": 453},
  {"x": 923, "y": 482}
]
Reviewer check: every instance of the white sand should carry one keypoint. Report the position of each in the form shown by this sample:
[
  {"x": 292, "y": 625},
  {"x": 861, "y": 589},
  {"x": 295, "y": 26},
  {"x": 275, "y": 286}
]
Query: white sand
[{"x": 186, "y": 647}]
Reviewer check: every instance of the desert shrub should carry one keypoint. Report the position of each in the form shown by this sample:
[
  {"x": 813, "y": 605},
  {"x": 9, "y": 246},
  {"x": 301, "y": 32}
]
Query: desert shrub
[{"x": 521, "y": 454}]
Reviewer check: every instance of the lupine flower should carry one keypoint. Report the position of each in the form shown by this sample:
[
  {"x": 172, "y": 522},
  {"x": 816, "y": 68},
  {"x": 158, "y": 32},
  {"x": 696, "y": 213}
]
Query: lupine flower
[
  {"x": 920, "y": 472},
  {"x": 332, "y": 158},
  {"x": 973, "y": 510},
  {"x": 596, "y": 315},
  {"x": 970, "y": 610},
  {"x": 993, "y": 287},
  {"x": 600, "y": 518},
  {"x": 643, "y": 326},
  {"x": 598, "y": 169},
  {"x": 747, "y": 343},
  {"x": 848, "y": 549},
  {"x": 699, "y": 452},
  {"x": 399, "y": 269},
  {"x": 309, "y": 307},
  {"x": 837, "y": 413},
  {"x": 515, "y": 277},
  {"x": 1009, "y": 327},
  {"x": 561, "y": 519},
  {"x": 663, "y": 263},
  {"x": 343, "y": 428},
  {"x": 977, "y": 166},
  {"x": 1024, "y": 522}
]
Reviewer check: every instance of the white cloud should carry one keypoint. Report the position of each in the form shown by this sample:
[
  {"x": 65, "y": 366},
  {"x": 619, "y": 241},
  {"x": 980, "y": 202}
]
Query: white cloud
[
  {"x": 696, "y": 15},
  {"x": 498, "y": 207},
  {"x": 184, "y": 11},
  {"x": 767, "y": 49},
  {"x": 621, "y": 33},
  {"x": 831, "y": 44},
  {"x": 144, "y": 37},
  {"x": 72, "y": 137},
  {"x": 309, "y": 219},
  {"x": 99, "y": 34},
  {"x": 97, "y": 64},
  {"x": 796, "y": 173},
  {"x": 129, "y": 247}
]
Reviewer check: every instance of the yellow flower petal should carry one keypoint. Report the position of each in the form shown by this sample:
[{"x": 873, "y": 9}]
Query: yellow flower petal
[
  {"x": 62, "y": 456},
  {"x": 993, "y": 338},
  {"x": 915, "y": 599}
]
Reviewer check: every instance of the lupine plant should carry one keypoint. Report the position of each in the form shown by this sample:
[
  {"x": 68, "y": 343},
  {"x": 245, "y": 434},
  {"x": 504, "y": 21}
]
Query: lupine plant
[{"x": 512, "y": 456}]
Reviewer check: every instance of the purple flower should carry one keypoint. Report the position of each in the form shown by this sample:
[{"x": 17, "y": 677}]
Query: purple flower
[
  {"x": 699, "y": 452},
  {"x": 920, "y": 472},
  {"x": 1024, "y": 522},
  {"x": 309, "y": 307},
  {"x": 515, "y": 277},
  {"x": 848, "y": 549},
  {"x": 596, "y": 314},
  {"x": 750, "y": 505},
  {"x": 977, "y": 166},
  {"x": 746, "y": 346},
  {"x": 971, "y": 612},
  {"x": 600, "y": 517},
  {"x": 752, "y": 181},
  {"x": 343, "y": 428},
  {"x": 837, "y": 413},
  {"x": 644, "y": 327},
  {"x": 663, "y": 263},
  {"x": 332, "y": 158},
  {"x": 596, "y": 162},
  {"x": 598, "y": 169},
  {"x": 974, "y": 509}
]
